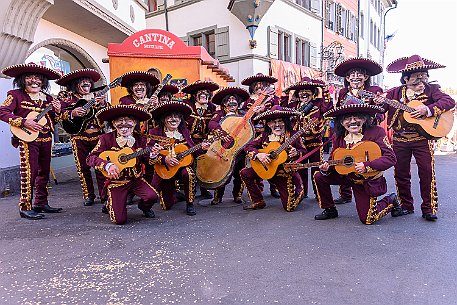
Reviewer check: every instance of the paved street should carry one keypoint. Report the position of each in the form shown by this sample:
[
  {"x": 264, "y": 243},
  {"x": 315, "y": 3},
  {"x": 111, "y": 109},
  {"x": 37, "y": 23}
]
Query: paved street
[{"x": 225, "y": 255}]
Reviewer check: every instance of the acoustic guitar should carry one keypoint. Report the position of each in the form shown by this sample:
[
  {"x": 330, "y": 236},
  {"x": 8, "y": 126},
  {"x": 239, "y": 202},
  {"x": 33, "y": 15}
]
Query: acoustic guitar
[
  {"x": 184, "y": 156},
  {"x": 78, "y": 124},
  {"x": 126, "y": 157},
  {"x": 433, "y": 127},
  {"x": 26, "y": 134},
  {"x": 148, "y": 105},
  {"x": 344, "y": 159},
  {"x": 215, "y": 166},
  {"x": 277, "y": 154}
]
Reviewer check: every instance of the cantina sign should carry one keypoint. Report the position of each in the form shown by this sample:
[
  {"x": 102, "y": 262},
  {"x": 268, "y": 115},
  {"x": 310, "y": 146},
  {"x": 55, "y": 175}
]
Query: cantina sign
[{"x": 154, "y": 41}]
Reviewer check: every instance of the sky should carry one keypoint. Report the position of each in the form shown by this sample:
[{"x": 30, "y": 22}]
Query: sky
[{"x": 426, "y": 28}]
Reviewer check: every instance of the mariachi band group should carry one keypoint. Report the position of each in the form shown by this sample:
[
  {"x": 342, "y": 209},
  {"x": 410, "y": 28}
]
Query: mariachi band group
[{"x": 158, "y": 147}]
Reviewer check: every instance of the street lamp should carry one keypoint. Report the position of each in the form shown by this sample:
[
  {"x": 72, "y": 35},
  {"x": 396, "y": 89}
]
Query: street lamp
[{"x": 331, "y": 55}]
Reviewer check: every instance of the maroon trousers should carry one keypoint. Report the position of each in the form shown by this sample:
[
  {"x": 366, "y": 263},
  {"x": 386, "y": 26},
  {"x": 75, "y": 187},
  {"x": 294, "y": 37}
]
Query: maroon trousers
[
  {"x": 368, "y": 208},
  {"x": 423, "y": 153},
  {"x": 167, "y": 187},
  {"x": 81, "y": 148},
  {"x": 289, "y": 187},
  {"x": 117, "y": 198},
  {"x": 237, "y": 190},
  {"x": 315, "y": 157},
  {"x": 35, "y": 167}
]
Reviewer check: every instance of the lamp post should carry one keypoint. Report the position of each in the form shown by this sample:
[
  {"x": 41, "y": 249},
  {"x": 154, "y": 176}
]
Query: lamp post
[{"x": 331, "y": 55}]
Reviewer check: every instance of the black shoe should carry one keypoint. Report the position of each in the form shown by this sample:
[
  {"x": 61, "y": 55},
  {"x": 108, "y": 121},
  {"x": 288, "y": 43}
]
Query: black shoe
[
  {"x": 46, "y": 209},
  {"x": 31, "y": 215},
  {"x": 275, "y": 194},
  {"x": 104, "y": 209},
  {"x": 237, "y": 199},
  {"x": 342, "y": 200},
  {"x": 327, "y": 213},
  {"x": 149, "y": 214},
  {"x": 190, "y": 210},
  {"x": 407, "y": 212},
  {"x": 88, "y": 202},
  {"x": 180, "y": 196},
  {"x": 429, "y": 216},
  {"x": 396, "y": 210},
  {"x": 207, "y": 195},
  {"x": 130, "y": 199},
  {"x": 216, "y": 201}
]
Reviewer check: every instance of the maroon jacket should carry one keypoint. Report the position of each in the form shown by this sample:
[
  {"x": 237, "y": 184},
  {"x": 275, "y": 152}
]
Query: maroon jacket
[
  {"x": 68, "y": 100},
  {"x": 375, "y": 89},
  {"x": 198, "y": 124},
  {"x": 127, "y": 100},
  {"x": 435, "y": 99},
  {"x": 18, "y": 105},
  {"x": 108, "y": 142}
]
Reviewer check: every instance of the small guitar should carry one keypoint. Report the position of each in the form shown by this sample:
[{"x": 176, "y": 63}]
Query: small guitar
[
  {"x": 184, "y": 156},
  {"x": 277, "y": 154},
  {"x": 433, "y": 127},
  {"x": 126, "y": 157},
  {"x": 78, "y": 124},
  {"x": 344, "y": 159},
  {"x": 148, "y": 105},
  {"x": 26, "y": 134}
]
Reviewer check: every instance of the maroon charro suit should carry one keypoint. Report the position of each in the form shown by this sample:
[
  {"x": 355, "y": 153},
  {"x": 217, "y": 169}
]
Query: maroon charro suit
[
  {"x": 35, "y": 156},
  {"x": 408, "y": 141},
  {"x": 289, "y": 185},
  {"x": 127, "y": 100},
  {"x": 186, "y": 174},
  {"x": 130, "y": 180},
  {"x": 345, "y": 191},
  {"x": 82, "y": 144},
  {"x": 312, "y": 137},
  {"x": 268, "y": 104},
  {"x": 368, "y": 209},
  {"x": 197, "y": 122}
]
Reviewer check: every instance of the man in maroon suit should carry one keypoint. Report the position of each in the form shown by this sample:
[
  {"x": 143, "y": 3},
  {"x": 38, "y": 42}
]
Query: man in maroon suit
[
  {"x": 357, "y": 73},
  {"x": 312, "y": 100},
  {"x": 409, "y": 139},
  {"x": 78, "y": 85},
  {"x": 354, "y": 124},
  {"x": 120, "y": 183},
  {"x": 35, "y": 156},
  {"x": 229, "y": 99},
  {"x": 278, "y": 128},
  {"x": 172, "y": 127},
  {"x": 202, "y": 112},
  {"x": 139, "y": 87}
]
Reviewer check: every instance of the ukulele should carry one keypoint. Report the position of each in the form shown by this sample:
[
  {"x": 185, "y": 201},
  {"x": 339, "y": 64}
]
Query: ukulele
[
  {"x": 433, "y": 127},
  {"x": 77, "y": 124},
  {"x": 344, "y": 159},
  {"x": 26, "y": 134},
  {"x": 277, "y": 154}
]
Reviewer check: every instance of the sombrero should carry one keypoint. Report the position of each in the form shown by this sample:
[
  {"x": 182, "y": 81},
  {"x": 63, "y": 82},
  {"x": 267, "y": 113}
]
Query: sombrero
[
  {"x": 259, "y": 77},
  {"x": 414, "y": 63},
  {"x": 200, "y": 85},
  {"x": 276, "y": 112},
  {"x": 372, "y": 67},
  {"x": 31, "y": 68},
  {"x": 221, "y": 93},
  {"x": 354, "y": 105},
  {"x": 305, "y": 83},
  {"x": 89, "y": 73},
  {"x": 169, "y": 107},
  {"x": 167, "y": 88},
  {"x": 112, "y": 112},
  {"x": 138, "y": 76}
]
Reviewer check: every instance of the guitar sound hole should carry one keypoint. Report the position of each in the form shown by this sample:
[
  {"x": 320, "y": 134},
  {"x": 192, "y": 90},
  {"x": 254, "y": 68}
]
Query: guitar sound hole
[
  {"x": 122, "y": 159},
  {"x": 348, "y": 161}
]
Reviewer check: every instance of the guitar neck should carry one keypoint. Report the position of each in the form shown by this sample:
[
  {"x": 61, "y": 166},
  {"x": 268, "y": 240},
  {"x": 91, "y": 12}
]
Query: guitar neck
[
  {"x": 97, "y": 94},
  {"x": 289, "y": 141},
  {"x": 196, "y": 147},
  {"x": 138, "y": 153},
  {"x": 248, "y": 115},
  {"x": 43, "y": 113},
  {"x": 393, "y": 103}
]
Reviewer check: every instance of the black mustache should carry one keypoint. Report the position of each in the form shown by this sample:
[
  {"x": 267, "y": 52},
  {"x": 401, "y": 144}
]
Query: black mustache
[
  {"x": 33, "y": 83},
  {"x": 355, "y": 124},
  {"x": 420, "y": 81},
  {"x": 125, "y": 126}
]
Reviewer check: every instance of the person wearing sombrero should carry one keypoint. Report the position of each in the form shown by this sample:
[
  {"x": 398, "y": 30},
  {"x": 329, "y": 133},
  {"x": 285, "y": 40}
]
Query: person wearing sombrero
[
  {"x": 139, "y": 87},
  {"x": 354, "y": 124},
  {"x": 357, "y": 73},
  {"x": 78, "y": 85},
  {"x": 229, "y": 99},
  {"x": 170, "y": 117},
  {"x": 407, "y": 138},
  {"x": 123, "y": 119},
  {"x": 32, "y": 82},
  {"x": 312, "y": 100},
  {"x": 203, "y": 110},
  {"x": 278, "y": 128}
]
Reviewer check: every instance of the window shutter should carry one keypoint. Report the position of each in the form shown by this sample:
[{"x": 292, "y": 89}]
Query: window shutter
[
  {"x": 222, "y": 43},
  {"x": 185, "y": 39},
  {"x": 338, "y": 10},
  {"x": 316, "y": 6},
  {"x": 273, "y": 42},
  {"x": 313, "y": 55}
]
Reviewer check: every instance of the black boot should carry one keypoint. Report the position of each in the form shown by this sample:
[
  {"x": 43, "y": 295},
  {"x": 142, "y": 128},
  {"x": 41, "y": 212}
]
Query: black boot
[
  {"x": 46, "y": 209},
  {"x": 149, "y": 214},
  {"x": 429, "y": 216},
  {"x": 130, "y": 199},
  {"x": 341, "y": 200},
  {"x": 396, "y": 210},
  {"x": 274, "y": 191},
  {"x": 31, "y": 215},
  {"x": 88, "y": 202},
  {"x": 206, "y": 194},
  {"x": 327, "y": 213},
  {"x": 190, "y": 209}
]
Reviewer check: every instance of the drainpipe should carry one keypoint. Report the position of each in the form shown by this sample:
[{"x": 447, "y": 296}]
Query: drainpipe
[
  {"x": 165, "y": 8},
  {"x": 358, "y": 28},
  {"x": 384, "y": 29},
  {"x": 324, "y": 13}
]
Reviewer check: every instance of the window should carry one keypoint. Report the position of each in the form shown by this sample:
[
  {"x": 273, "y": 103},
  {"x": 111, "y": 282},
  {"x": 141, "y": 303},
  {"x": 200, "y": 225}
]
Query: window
[
  {"x": 284, "y": 46},
  {"x": 206, "y": 40},
  {"x": 197, "y": 40},
  {"x": 371, "y": 31},
  {"x": 362, "y": 25},
  {"x": 379, "y": 39},
  {"x": 152, "y": 5},
  {"x": 304, "y": 3},
  {"x": 331, "y": 15},
  {"x": 302, "y": 52}
]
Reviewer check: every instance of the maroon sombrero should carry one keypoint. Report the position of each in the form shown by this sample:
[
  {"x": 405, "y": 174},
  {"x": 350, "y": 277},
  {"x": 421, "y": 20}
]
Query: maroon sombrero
[
  {"x": 89, "y": 73},
  {"x": 30, "y": 68},
  {"x": 200, "y": 85},
  {"x": 276, "y": 112},
  {"x": 227, "y": 91},
  {"x": 353, "y": 105},
  {"x": 138, "y": 76},
  {"x": 112, "y": 112},
  {"x": 414, "y": 63},
  {"x": 169, "y": 107},
  {"x": 305, "y": 83},
  {"x": 259, "y": 77},
  {"x": 167, "y": 88},
  {"x": 372, "y": 67}
]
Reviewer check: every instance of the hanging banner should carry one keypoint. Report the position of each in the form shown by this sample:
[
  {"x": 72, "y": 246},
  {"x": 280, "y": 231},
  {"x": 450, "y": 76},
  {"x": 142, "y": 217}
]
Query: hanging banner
[{"x": 288, "y": 74}]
